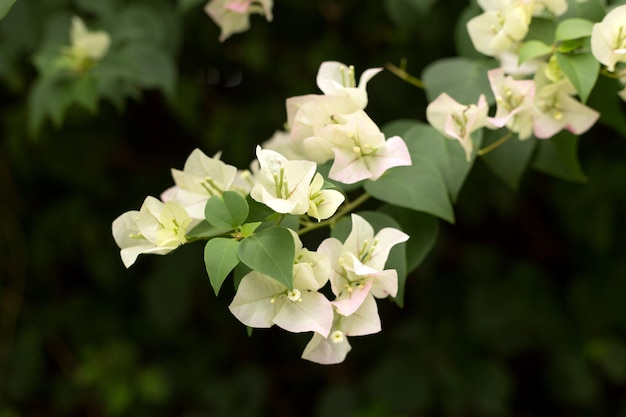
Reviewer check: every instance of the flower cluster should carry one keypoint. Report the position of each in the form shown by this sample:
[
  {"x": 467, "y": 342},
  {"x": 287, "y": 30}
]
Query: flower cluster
[
  {"x": 536, "y": 84},
  {"x": 253, "y": 219},
  {"x": 210, "y": 200},
  {"x": 356, "y": 272}
]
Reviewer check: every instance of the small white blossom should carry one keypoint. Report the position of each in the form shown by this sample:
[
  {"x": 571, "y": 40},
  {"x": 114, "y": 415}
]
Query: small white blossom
[
  {"x": 457, "y": 121},
  {"x": 157, "y": 228},
  {"x": 608, "y": 38},
  {"x": 337, "y": 79}
]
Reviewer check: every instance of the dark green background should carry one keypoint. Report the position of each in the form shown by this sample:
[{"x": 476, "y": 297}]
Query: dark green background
[{"x": 519, "y": 310}]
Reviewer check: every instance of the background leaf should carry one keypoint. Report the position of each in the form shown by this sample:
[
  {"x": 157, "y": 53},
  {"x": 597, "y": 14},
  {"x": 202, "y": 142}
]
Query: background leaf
[
  {"x": 463, "y": 79},
  {"x": 5, "y": 6},
  {"x": 509, "y": 160},
  {"x": 419, "y": 187},
  {"x": 558, "y": 156},
  {"x": 573, "y": 29}
]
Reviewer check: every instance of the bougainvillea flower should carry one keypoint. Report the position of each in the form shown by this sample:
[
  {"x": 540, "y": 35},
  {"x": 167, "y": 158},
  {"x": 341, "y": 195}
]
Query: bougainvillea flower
[
  {"x": 334, "y": 348},
  {"x": 457, "y": 121},
  {"x": 608, "y": 38},
  {"x": 555, "y": 108},
  {"x": 323, "y": 203},
  {"x": 337, "y": 79},
  {"x": 307, "y": 115},
  {"x": 358, "y": 264},
  {"x": 496, "y": 31},
  {"x": 514, "y": 99},
  {"x": 262, "y": 301},
  {"x": 283, "y": 185},
  {"x": 359, "y": 148},
  {"x": 233, "y": 16},
  {"x": 201, "y": 178},
  {"x": 157, "y": 228}
]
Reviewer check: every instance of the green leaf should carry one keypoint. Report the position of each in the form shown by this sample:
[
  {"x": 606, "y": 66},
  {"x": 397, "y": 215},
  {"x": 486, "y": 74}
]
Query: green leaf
[
  {"x": 461, "y": 78},
  {"x": 573, "y": 29},
  {"x": 541, "y": 29},
  {"x": 228, "y": 210},
  {"x": 533, "y": 49},
  {"x": 258, "y": 211},
  {"x": 220, "y": 257},
  {"x": 593, "y": 10},
  {"x": 582, "y": 70},
  {"x": 247, "y": 229},
  {"x": 419, "y": 187},
  {"x": 186, "y": 5},
  {"x": 509, "y": 160},
  {"x": 459, "y": 166},
  {"x": 424, "y": 140},
  {"x": 422, "y": 229},
  {"x": 85, "y": 91},
  {"x": 5, "y": 6},
  {"x": 204, "y": 230},
  {"x": 571, "y": 45},
  {"x": 270, "y": 252},
  {"x": 605, "y": 100},
  {"x": 49, "y": 97},
  {"x": 462, "y": 41},
  {"x": 399, "y": 127},
  {"x": 153, "y": 65},
  {"x": 558, "y": 156}
]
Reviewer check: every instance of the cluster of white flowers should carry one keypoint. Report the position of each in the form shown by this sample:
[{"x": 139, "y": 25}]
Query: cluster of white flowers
[
  {"x": 540, "y": 106},
  {"x": 284, "y": 177},
  {"x": 356, "y": 272}
]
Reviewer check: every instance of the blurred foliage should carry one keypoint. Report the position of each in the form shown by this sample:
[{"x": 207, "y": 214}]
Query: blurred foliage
[{"x": 519, "y": 310}]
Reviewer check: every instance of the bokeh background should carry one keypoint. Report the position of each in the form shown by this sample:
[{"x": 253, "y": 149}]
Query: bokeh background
[{"x": 519, "y": 309}]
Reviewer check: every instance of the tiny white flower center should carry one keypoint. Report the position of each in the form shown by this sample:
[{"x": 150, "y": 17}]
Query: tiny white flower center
[
  {"x": 295, "y": 295},
  {"x": 337, "y": 336}
]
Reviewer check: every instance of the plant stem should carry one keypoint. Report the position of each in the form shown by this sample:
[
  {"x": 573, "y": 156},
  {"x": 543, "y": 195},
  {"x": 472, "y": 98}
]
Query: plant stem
[
  {"x": 401, "y": 72},
  {"x": 494, "y": 145}
]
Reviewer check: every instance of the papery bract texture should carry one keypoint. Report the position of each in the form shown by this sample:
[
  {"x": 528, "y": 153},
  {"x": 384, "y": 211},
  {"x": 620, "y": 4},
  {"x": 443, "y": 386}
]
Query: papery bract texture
[
  {"x": 334, "y": 348},
  {"x": 457, "y": 121},
  {"x": 358, "y": 264},
  {"x": 157, "y": 228},
  {"x": 555, "y": 108},
  {"x": 283, "y": 185},
  {"x": 514, "y": 99},
  {"x": 201, "y": 178},
  {"x": 359, "y": 148},
  {"x": 608, "y": 38},
  {"x": 261, "y": 301},
  {"x": 337, "y": 79}
]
